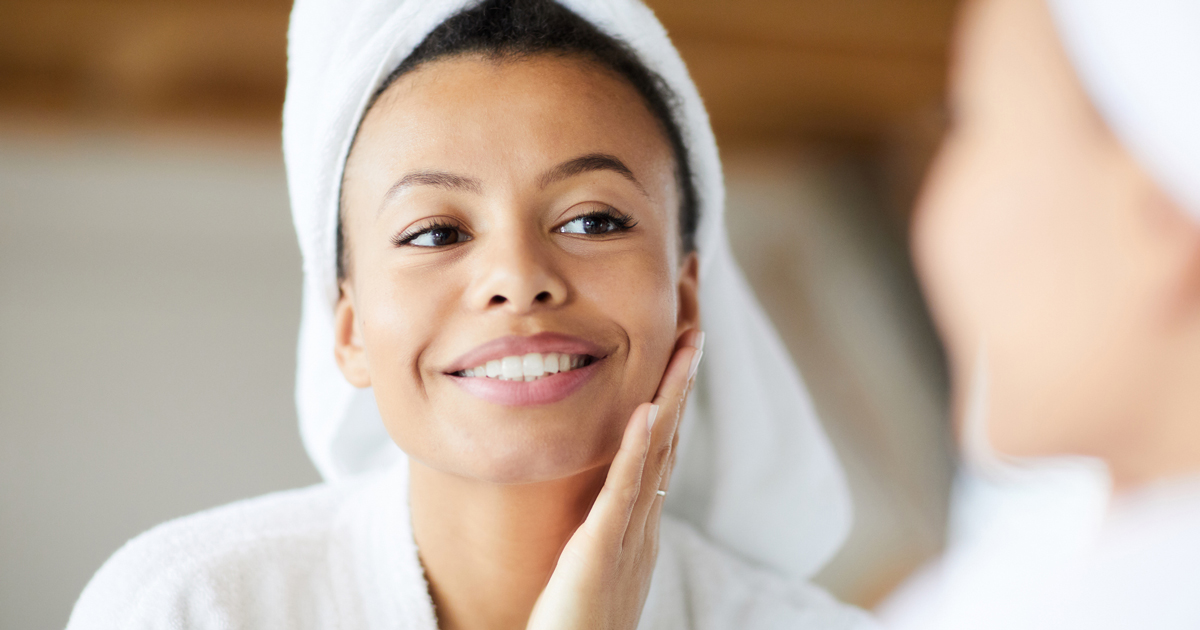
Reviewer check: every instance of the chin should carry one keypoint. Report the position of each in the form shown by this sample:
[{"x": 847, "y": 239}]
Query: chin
[
  {"x": 496, "y": 444},
  {"x": 521, "y": 465},
  {"x": 518, "y": 451}
]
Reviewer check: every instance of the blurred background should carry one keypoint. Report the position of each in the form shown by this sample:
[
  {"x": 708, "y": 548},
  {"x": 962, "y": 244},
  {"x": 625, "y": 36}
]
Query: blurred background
[{"x": 150, "y": 279}]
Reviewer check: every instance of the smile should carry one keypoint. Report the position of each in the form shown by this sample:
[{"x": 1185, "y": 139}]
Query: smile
[
  {"x": 530, "y": 367},
  {"x": 522, "y": 371}
]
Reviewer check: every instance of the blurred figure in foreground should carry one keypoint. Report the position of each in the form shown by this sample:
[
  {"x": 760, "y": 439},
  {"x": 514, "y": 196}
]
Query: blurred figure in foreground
[{"x": 1058, "y": 243}]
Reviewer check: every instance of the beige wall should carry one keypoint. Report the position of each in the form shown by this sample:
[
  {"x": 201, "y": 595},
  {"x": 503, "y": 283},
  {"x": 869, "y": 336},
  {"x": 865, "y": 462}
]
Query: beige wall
[
  {"x": 831, "y": 268},
  {"x": 148, "y": 312}
]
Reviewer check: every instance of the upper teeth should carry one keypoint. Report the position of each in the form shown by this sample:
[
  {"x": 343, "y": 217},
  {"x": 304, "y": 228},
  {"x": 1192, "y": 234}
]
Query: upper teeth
[{"x": 528, "y": 367}]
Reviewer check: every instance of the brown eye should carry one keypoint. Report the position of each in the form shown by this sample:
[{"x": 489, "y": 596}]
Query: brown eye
[
  {"x": 596, "y": 224},
  {"x": 437, "y": 236}
]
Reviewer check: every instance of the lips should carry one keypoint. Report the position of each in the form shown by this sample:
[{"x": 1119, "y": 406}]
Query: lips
[
  {"x": 529, "y": 367},
  {"x": 520, "y": 371},
  {"x": 515, "y": 346}
]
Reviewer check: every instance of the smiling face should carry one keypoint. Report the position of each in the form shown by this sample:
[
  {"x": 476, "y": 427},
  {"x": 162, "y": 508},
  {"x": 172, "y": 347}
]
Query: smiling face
[
  {"x": 1040, "y": 235},
  {"x": 518, "y": 216}
]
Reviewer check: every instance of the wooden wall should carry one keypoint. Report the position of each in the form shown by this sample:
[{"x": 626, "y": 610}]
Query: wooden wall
[{"x": 770, "y": 70}]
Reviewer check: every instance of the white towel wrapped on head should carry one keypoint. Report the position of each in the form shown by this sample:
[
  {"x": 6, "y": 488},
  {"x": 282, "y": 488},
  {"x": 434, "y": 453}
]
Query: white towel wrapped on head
[{"x": 756, "y": 471}]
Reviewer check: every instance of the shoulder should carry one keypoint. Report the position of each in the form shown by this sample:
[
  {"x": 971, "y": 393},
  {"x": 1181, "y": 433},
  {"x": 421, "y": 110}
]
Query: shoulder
[
  {"x": 199, "y": 570},
  {"x": 714, "y": 589}
]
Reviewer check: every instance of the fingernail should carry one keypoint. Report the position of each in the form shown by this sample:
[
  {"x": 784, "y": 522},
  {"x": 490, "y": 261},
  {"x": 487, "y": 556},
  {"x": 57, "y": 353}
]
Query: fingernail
[
  {"x": 699, "y": 344},
  {"x": 695, "y": 364},
  {"x": 651, "y": 417}
]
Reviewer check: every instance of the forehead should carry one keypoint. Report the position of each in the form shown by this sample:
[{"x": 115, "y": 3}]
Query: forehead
[{"x": 479, "y": 113}]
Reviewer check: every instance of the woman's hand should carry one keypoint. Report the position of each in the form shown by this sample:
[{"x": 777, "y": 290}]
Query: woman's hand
[{"x": 603, "y": 574}]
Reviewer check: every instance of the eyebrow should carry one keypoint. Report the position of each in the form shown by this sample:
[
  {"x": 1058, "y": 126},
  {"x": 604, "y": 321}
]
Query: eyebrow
[
  {"x": 440, "y": 179},
  {"x": 577, "y": 166},
  {"x": 587, "y": 164}
]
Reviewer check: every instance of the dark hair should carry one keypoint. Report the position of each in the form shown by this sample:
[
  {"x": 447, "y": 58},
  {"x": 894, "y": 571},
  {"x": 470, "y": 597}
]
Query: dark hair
[{"x": 502, "y": 29}]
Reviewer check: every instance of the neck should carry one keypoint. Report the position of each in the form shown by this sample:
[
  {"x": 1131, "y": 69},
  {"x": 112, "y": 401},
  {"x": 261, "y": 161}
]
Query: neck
[{"x": 488, "y": 549}]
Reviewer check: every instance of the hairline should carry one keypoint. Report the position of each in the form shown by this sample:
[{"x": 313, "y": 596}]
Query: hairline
[{"x": 516, "y": 55}]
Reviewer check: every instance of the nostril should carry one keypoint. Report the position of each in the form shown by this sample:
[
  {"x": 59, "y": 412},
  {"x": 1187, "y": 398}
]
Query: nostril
[
  {"x": 497, "y": 299},
  {"x": 543, "y": 297}
]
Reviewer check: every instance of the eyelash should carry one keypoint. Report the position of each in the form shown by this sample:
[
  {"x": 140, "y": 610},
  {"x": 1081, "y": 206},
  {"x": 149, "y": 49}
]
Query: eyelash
[
  {"x": 622, "y": 221},
  {"x": 410, "y": 235}
]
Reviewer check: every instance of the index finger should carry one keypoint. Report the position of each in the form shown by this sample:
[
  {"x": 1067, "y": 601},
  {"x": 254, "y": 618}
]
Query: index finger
[{"x": 672, "y": 391}]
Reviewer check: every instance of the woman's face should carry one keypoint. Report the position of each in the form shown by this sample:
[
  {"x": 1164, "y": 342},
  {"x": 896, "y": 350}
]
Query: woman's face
[
  {"x": 503, "y": 214},
  {"x": 1038, "y": 235}
]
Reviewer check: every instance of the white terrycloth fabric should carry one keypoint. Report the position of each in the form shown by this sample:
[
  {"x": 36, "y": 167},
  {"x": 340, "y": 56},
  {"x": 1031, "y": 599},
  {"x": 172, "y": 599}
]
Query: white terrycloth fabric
[
  {"x": 1040, "y": 544},
  {"x": 1050, "y": 557},
  {"x": 341, "y": 555},
  {"x": 756, "y": 473},
  {"x": 1139, "y": 61}
]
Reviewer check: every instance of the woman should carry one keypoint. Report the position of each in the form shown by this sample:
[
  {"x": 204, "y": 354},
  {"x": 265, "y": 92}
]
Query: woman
[
  {"x": 1058, "y": 242},
  {"x": 511, "y": 222}
]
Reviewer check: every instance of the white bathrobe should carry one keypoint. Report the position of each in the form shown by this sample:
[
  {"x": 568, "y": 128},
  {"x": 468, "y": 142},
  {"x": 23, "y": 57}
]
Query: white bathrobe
[
  {"x": 1053, "y": 552},
  {"x": 758, "y": 502},
  {"x": 341, "y": 555}
]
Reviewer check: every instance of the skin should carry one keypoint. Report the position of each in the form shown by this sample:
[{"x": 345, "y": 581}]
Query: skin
[
  {"x": 1039, "y": 236},
  {"x": 498, "y": 491},
  {"x": 603, "y": 574}
]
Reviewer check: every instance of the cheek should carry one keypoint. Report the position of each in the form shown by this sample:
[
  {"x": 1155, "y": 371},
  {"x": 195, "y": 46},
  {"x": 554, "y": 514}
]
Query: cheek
[
  {"x": 980, "y": 247},
  {"x": 400, "y": 313},
  {"x": 949, "y": 239},
  {"x": 637, "y": 292},
  {"x": 637, "y": 295},
  {"x": 1015, "y": 248}
]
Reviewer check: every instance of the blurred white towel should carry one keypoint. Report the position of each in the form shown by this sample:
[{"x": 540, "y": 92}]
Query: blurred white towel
[{"x": 1038, "y": 566}]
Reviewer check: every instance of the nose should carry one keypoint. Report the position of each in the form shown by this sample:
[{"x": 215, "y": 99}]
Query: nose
[{"x": 515, "y": 273}]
